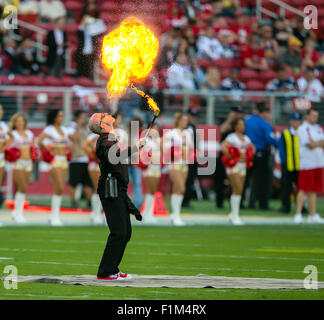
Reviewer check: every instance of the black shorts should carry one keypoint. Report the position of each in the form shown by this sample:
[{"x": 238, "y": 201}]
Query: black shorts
[{"x": 79, "y": 174}]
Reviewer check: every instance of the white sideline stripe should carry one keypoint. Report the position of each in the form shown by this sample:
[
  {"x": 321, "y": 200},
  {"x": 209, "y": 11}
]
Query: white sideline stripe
[
  {"x": 167, "y": 267},
  {"x": 67, "y": 297},
  {"x": 167, "y": 254}
]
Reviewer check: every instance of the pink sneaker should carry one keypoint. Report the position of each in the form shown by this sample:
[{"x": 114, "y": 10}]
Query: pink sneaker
[{"x": 111, "y": 277}]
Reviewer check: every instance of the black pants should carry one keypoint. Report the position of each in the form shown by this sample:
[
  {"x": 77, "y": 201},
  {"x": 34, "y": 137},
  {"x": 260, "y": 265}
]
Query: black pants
[
  {"x": 118, "y": 220},
  {"x": 220, "y": 176},
  {"x": 192, "y": 174},
  {"x": 261, "y": 180},
  {"x": 288, "y": 179}
]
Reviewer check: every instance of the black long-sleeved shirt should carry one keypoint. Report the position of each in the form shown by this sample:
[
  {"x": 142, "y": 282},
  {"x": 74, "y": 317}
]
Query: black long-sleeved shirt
[{"x": 108, "y": 151}]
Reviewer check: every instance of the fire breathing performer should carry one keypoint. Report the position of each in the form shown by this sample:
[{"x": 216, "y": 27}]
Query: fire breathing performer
[
  {"x": 112, "y": 190},
  {"x": 127, "y": 55},
  {"x": 21, "y": 139},
  {"x": 238, "y": 153}
]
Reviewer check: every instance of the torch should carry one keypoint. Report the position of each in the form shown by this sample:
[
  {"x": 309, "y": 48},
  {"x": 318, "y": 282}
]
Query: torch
[{"x": 128, "y": 54}]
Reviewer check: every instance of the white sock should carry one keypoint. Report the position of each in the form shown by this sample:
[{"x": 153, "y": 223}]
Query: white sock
[
  {"x": 19, "y": 204},
  {"x": 56, "y": 205},
  {"x": 235, "y": 206},
  {"x": 95, "y": 205},
  {"x": 176, "y": 202},
  {"x": 149, "y": 200}
]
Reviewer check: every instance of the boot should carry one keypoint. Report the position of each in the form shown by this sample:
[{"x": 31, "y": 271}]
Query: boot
[
  {"x": 176, "y": 201},
  {"x": 54, "y": 217}
]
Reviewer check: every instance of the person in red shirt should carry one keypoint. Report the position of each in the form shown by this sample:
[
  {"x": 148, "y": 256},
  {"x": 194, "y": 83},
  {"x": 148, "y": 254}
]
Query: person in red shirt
[
  {"x": 311, "y": 57},
  {"x": 241, "y": 29},
  {"x": 253, "y": 57}
]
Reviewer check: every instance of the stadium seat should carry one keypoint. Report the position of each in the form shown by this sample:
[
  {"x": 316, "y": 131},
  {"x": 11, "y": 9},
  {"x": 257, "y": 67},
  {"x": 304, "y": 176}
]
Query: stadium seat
[
  {"x": 255, "y": 85},
  {"x": 247, "y": 74},
  {"x": 19, "y": 80},
  {"x": 85, "y": 82},
  {"x": 68, "y": 81},
  {"x": 110, "y": 6},
  {"x": 267, "y": 75},
  {"x": 4, "y": 80},
  {"x": 224, "y": 72},
  {"x": 74, "y": 6},
  {"x": 35, "y": 80},
  {"x": 52, "y": 81},
  {"x": 225, "y": 63},
  {"x": 205, "y": 63}
]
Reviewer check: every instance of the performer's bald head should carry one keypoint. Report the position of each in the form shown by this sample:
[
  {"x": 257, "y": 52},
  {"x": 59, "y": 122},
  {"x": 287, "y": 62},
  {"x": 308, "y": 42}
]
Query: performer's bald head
[{"x": 100, "y": 122}]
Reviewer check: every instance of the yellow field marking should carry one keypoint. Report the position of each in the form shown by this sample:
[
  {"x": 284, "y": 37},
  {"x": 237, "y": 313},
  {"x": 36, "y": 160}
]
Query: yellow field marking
[{"x": 315, "y": 251}]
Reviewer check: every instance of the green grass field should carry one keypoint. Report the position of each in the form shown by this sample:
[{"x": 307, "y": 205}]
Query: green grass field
[{"x": 248, "y": 251}]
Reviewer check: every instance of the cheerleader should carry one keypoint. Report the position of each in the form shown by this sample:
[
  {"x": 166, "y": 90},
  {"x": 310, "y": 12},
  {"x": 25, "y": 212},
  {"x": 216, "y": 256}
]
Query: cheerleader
[
  {"x": 3, "y": 143},
  {"x": 22, "y": 139},
  {"x": 55, "y": 141},
  {"x": 236, "y": 171},
  {"x": 150, "y": 163},
  {"x": 89, "y": 146},
  {"x": 178, "y": 142}
]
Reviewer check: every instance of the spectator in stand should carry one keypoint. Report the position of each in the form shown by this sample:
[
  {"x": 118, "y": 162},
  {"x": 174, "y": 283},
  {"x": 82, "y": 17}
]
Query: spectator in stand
[
  {"x": 212, "y": 79},
  {"x": 310, "y": 178},
  {"x": 254, "y": 56},
  {"x": 90, "y": 8},
  {"x": 229, "y": 49},
  {"x": 10, "y": 50},
  {"x": 209, "y": 46},
  {"x": 51, "y": 10},
  {"x": 89, "y": 30},
  {"x": 27, "y": 58},
  {"x": 291, "y": 58},
  {"x": 242, "y": 29},
  {"x": 183, "y": 47},
  {"x": 166, "y": 56},
  {"x": 311, "y": 86},
  {"x": 311, "y": 57},
  {"x": 176, "y": 19},
  {"x": 229, "y": 7},
  {"x": 221, "y": 28},
  {"x": 282, "y": 82},
  {"x": 192, "y": 42},
  {"x": 231, "y": 83},
  {"x": 282, "y": 32},
  {"x": 5, "y": 62},
  {"x": 269, "y": 45},
  {"x": 180, "y": 75},
  {"x": 289, "y": 157},
  {"x": 191, "y": 10},
  {"x": 56, "y": 41},
  {"x": 301, "y": 33}
]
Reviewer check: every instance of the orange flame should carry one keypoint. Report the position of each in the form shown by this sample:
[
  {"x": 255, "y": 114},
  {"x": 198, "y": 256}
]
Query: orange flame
[
  {"x": 151, "y": 103},
  {"x": 128, "y": 53}
]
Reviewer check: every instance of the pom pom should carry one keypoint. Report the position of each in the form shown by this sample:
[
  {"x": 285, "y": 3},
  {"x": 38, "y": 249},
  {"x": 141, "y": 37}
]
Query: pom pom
[{"x": 12, "y": 154}]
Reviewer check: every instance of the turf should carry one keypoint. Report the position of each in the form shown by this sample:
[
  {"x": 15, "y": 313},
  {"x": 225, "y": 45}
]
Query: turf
[{"x": 248, "y": 251}]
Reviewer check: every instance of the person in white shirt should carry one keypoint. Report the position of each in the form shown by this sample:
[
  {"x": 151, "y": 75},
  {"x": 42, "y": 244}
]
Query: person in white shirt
[
  {"x": 49, "y": 10},
  {"x": 310, "y": 178},
  {"x": 209, "y": 47},
  {"x": 237, "y": 173},
  {"x": 180, "y": 75},
  {"x": 55, "y": 139},
  {"x": 22, "y": 138},
  {"x": 177, "y": 144},
  {"x": 310, "y": 86}
]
